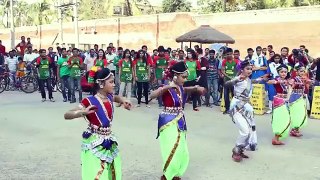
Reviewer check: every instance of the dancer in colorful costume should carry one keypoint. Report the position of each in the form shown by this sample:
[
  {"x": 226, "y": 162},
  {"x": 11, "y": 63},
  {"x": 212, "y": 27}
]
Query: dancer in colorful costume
[
  {"x": 241, "y": 111},
  {"x": 280, "y": 112},
  {"x": 172, "y": 124},
  {"x": 100, "y": 155},
  {"x": 298, "y": 101}
]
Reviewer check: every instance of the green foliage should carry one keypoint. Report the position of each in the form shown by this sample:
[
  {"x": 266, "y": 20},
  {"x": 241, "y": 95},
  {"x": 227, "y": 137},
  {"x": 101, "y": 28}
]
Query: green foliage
[
  {"x": 44, "y": 11},
  {"x": 169, "y": 6},
  {"x": 211, "y": 6},
  {"x": 93, "y": 9}
]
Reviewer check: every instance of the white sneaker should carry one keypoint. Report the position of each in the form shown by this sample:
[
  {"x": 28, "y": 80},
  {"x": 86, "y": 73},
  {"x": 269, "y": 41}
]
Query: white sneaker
[{"x": 269, "y": 111}]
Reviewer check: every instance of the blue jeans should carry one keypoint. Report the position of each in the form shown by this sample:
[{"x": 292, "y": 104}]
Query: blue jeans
[
  {"x": 227, "y": 91},
  {"x": 65, "y": 85},
  {"x": 213, "y": 86},
  {"x": 117, "y": 83},
  {"x": 42, "y": 82},
  {"x": 75, "y": 81},
  {"x": 13, "y": 77}
]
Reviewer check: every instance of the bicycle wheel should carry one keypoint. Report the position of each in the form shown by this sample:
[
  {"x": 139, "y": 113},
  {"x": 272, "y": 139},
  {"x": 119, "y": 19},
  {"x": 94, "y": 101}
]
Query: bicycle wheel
[
  {"x": 3, "y": 84},
  {"x": 59, "y": 85},
  {"x": 203, "y": 99},
  {"x": 29, "y": 84}
]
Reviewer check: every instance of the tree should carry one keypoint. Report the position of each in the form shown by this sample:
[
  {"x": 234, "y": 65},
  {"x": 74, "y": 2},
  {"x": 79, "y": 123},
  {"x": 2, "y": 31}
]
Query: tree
[
  {"x": 41, "y": 13},
  {"x": 21, "y": 11},
  {"x": 92, "y": 9},
  {"x": 4, "y": 11},
  {"x": 176, "y": 6},
  {"x": 211, "y": 6}
]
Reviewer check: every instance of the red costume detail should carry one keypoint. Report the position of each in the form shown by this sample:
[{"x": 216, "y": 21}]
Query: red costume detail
[
  {"x": 92, "y": 118},
  {"x": 167, "y": 99}
]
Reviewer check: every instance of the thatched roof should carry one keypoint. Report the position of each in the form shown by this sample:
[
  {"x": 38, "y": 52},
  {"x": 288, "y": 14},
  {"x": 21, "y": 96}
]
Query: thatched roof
[{"x": 205, "y": 35}]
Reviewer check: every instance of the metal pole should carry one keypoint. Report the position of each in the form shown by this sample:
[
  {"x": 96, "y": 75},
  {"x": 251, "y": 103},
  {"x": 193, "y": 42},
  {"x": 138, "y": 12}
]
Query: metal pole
[
  {"x": 76, "y": 27},
  {"x": 12, "y": 30},
  {"x": 60, "y": 15}
]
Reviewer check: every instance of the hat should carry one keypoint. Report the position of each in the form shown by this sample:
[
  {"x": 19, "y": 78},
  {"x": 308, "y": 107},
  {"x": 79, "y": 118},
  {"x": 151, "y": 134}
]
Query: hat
[
  {"x": 244, "y": 64},
  {"x": 282, "y": 66},
  {"x": 179, "y": 68}
]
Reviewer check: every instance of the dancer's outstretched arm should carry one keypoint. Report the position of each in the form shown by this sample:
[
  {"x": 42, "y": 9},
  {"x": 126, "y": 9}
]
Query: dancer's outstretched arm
[{"x": 79, "y": 112}]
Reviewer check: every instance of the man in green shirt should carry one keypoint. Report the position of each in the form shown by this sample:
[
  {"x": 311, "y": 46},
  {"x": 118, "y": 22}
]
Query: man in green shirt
[
  {"x": 160, "y": 63},
  {"x": 75, "y": 64},
  {"x": 228, "y": 71},
  {"x": 44, "y": 65},
  {"x": 116, "y": 64},
  {"x": 63, "y": 74}
]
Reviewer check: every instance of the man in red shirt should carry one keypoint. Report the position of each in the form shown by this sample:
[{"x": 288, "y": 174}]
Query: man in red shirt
[
  {"x": 22, "y": 46},
  {"x": 2, "y": 49}
]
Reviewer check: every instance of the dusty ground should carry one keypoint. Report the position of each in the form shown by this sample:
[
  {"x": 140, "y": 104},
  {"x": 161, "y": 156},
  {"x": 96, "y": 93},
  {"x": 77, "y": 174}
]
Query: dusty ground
[{"x": 37, "y": 143}]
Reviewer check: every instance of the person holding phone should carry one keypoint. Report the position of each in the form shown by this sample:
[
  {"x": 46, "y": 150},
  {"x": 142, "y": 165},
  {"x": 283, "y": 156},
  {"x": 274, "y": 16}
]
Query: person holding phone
[
  {"x": 100, "y": 154},
  {"x": 75, "y": 64}
]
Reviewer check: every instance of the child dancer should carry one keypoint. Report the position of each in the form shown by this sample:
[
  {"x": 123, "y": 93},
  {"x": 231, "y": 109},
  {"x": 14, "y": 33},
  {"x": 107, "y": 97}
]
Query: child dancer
[
  {"x": 242, "y": 112},
  {"x": 100, "y": 155},
  {"x": 280, "y": 113},
  {"x": 298, "y": 101},
  {"x": 172, "y": 124}
]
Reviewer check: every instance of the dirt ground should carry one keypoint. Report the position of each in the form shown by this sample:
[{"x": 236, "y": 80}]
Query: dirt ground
[{"x": 38, "y": 144}]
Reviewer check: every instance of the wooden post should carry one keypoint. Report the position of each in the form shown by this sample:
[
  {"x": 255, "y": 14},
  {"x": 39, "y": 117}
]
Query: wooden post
[
  {"x": 157, "y": 34},
  {"x": 118, "y": 41},
  {"x": 190, "y": 45}
]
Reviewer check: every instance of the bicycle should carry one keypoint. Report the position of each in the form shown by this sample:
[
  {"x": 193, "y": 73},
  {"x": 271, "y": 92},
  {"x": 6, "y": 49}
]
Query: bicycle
[
  {"x": 4, "y": 81},
  {"x": 59, "y": 83}
]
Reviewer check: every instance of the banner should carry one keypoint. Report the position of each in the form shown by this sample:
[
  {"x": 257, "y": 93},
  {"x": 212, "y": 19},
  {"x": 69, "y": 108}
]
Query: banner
[
  {"x": 315, "y": 109},
  {"x": 257, "y": 99}
]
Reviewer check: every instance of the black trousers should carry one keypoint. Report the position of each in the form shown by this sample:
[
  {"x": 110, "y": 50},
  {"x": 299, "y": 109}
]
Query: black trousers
[
  {"x": 42, "y": 82},
  {"x": 195, "y": 95},
  {"x": 145, "y": 86}
]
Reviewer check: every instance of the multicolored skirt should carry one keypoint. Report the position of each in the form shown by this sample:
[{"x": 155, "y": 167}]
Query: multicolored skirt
[
  {"x": 100, "y": 158},
  {"x": 174, "y": 151},
  {"x": 280, "y": 117},
  {"x": 298, "y": 110}
]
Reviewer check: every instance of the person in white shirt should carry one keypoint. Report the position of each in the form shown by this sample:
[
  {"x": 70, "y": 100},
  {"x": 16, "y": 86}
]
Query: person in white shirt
[
  {"x": 29, "y": 56},
  {"x": 11, "y": 65},
  {"x": 89, "y": 60},
  {"x": 110, "y": 57}
]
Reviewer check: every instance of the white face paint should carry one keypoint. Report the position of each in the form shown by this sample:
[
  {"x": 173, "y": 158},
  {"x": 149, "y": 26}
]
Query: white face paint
[
  {"x": 100, "y": 54},
  {"x": 189, "y": 55}
]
